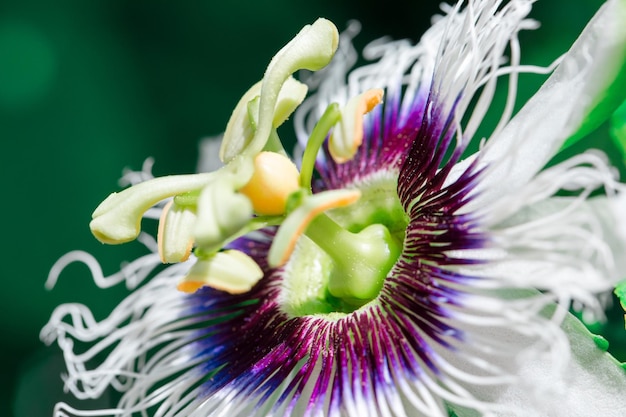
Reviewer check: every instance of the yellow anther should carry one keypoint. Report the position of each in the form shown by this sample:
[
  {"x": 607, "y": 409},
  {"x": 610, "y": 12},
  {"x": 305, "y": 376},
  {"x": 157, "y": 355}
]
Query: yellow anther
[
  {"x": 275, "y": 178},
  {"x": 190, "y": 287},
  {"x": 348, "y": 134}
]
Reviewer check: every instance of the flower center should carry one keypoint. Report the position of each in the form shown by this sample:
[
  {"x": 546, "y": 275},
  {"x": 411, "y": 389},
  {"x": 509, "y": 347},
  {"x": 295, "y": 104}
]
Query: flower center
[
  {"x": 341, "y": 262},
  {"x": 346, "y": 240}
]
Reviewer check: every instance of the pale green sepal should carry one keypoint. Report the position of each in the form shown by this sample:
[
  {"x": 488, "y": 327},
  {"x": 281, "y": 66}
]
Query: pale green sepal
[
  {"x": 232, "y": 271},
  {"x": 175, "y": 236},
  {"x": 118, "y": 218},
  {"x": 618, "y": 129},
  {"x": 311, "y": 49},
  {"x": 239, "y": 131},
  {"x": 600, "y": 50}
]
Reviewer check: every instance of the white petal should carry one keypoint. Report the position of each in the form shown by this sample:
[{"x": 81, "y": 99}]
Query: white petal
[
  {"x": 232, "y": 271},
  {"x": 593, "y": 384},
  {"x": 311, "y": 49},
  {"x": 611, "y": 213},
  {"x": 554, "y": 368},
  {"x": 560, "y": 107}
]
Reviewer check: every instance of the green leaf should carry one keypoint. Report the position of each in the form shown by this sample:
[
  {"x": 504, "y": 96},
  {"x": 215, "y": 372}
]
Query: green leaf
[
  {"x": 618, "y": 129},
  {"x": 620, "y": 292}
]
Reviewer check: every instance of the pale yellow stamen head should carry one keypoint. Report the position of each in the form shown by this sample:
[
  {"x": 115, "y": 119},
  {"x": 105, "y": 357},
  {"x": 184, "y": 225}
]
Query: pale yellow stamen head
[{"x": 275, "y": 178}]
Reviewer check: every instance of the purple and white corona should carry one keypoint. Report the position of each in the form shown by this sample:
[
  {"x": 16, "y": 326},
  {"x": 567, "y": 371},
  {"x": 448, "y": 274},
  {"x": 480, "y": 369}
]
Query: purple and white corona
[{"x": 391, "y": 268}]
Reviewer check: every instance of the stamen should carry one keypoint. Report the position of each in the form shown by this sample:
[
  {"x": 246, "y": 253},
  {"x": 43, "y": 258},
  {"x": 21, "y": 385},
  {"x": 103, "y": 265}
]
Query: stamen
[
  {"x": 348, "y": 135},
  {"x": 232, "y": 271},
  {"x": 361, "y": 260},
  {"x": 330, "y": 117},
  {"x": 273, "y": 143},
  {"x": 275, "y": 178},
  {"x": 259, "y": 178},
  {"x": 175, "y": 235}
]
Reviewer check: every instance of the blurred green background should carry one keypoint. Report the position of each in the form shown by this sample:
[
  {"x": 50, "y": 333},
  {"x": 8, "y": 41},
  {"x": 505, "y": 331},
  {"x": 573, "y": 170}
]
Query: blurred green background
[{"x": 90, "y": 87}]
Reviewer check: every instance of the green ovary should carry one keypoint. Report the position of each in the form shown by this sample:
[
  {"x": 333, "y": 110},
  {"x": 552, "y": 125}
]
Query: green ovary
[{"x": 341, "y": 263}]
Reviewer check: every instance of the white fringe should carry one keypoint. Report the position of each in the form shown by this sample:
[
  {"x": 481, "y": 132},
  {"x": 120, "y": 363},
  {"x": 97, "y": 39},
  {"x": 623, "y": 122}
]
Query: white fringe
[
  {"x": 132, "y": 274},
  {"x": 558, "y": 245},
  {"x": 145, "y": 341}
]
